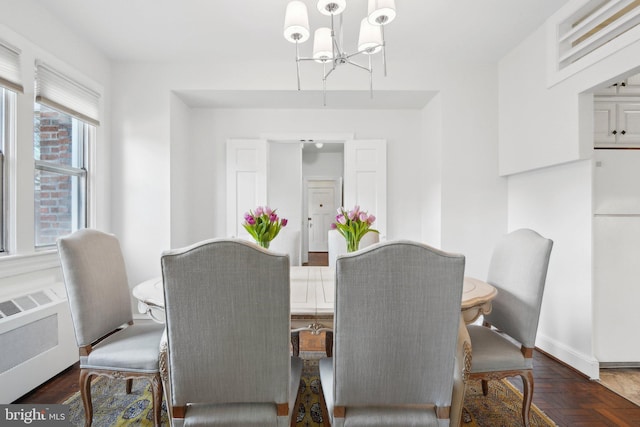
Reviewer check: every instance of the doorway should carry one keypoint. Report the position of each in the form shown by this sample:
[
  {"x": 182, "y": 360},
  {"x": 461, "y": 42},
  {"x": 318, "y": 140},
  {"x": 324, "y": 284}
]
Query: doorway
[{"x": 322, "y": 197}]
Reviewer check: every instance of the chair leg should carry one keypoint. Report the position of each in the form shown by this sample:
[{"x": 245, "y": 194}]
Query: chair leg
[
  {"x": 485, "y": 387},
  {"x": 85, "y": 393},
  {"x": 129, "y": 385},
  {"x": 527, "y": 387},
  {"x": 156, "y": 389}
]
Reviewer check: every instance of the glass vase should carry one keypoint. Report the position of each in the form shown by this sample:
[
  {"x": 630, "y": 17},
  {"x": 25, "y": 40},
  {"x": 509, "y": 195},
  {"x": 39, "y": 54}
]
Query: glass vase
[
  {"x": 352, "y": 243},
  {"x": 263, "y": 243}
]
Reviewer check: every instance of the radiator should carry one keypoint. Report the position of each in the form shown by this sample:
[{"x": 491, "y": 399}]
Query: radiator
[{"x": 36, "y": 340}]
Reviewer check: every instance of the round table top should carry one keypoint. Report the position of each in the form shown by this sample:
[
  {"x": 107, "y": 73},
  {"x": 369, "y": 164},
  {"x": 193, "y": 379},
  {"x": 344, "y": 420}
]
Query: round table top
[{"x": 476, "y": 292}]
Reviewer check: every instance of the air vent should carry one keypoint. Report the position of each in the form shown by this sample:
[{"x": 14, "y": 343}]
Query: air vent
[
  {"x": 593, "y": 26},
  {"x": 23, "y": 303}
]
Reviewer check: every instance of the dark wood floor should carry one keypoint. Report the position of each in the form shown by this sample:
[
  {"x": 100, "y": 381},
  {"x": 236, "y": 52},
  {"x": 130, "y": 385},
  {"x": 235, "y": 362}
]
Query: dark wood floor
[{"x": 566, "y": 396}]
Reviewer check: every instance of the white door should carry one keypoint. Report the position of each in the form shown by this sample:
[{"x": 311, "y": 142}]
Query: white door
[
  {"x": 246, "y": 181},
  {"x": 365, "y": 179},
  {"x": 321, "y": 213}
]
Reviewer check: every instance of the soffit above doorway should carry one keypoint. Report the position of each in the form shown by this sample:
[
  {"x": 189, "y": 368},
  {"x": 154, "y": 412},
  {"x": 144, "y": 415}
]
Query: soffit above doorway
[{"x": 288, "y": 99}]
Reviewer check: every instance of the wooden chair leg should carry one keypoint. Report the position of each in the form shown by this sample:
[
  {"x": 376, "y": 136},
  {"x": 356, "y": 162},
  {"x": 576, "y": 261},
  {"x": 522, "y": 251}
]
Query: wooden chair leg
[
  {"x": 129, "y": 385},
  {"x": 156, "y": 389},
  {"x": 485, "y": 387},
  {"x": 85, "y": 393},
  {"x": 527, "y": 387}
]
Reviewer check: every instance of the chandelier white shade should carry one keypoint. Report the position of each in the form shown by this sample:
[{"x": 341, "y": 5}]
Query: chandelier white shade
[
  {"x": 328, "y": 48},
  {"x": 332, "y": 7},
  {"x": 322, "y": 45},
  {"x": 381, "y": 12},
  {"x": 296, "y": 22},
  {"x": 370, "y": 39}
]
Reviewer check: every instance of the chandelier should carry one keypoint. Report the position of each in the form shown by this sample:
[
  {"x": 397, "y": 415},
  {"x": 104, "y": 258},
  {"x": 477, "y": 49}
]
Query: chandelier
[{"x": 328, "y": 47}]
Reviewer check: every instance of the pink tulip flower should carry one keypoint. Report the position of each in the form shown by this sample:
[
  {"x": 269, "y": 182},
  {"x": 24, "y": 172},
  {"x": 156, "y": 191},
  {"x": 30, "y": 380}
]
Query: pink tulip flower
[
  {"x": 268, "y": 210},
  {"x": 333, "y": 226},
  {"x": 284, "y": 222},
  {"x": 251, "y": 221},
  {"x": 371, "y": 219},
  {"x": 363, "y": 216},
  {"x": 259, "y": 211},
  {"x": 273, "y": 217},
  {"x": 341, "y": 219}
]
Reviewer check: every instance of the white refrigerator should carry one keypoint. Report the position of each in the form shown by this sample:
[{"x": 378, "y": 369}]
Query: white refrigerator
[{"x": 616, "y": 257}]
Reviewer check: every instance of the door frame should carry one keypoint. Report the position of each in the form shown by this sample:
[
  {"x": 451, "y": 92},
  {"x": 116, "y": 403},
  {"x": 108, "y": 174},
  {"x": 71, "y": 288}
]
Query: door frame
[{"x": 337, "y": 182}]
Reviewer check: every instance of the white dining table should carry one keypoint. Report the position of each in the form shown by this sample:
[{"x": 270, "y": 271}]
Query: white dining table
[{"x": 312, "y": 298}]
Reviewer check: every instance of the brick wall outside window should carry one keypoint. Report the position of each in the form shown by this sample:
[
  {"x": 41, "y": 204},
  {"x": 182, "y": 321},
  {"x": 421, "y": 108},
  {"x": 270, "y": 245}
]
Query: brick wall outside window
[{"x": 53, "y": 192}]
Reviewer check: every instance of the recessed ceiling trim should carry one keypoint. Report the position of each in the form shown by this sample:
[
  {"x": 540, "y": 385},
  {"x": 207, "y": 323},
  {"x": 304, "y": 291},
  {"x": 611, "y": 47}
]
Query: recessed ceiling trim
[{"x": 292, "y": 99}]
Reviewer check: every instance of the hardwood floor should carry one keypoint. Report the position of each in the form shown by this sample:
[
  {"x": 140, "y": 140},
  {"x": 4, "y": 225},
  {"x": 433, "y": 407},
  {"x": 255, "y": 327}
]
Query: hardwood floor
[{"x": 566, "y": 396}]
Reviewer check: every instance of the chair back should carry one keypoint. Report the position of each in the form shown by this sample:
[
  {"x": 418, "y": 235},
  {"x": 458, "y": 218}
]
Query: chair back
[
  {"x": 396, "y": 321},
  {"x": 518, "y": 269},
  {"x": 96, "y": 282},
  {"x": 227, "y": 314}
]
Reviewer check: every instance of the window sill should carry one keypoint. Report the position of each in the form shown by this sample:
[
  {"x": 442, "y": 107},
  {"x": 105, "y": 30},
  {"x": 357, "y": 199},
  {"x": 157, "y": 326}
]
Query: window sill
[{"x": 14, "y": 265}]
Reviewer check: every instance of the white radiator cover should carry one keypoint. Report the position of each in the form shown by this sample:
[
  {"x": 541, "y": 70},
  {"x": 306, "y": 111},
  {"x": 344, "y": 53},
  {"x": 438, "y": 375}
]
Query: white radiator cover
[{"x": 36, "y": 340}]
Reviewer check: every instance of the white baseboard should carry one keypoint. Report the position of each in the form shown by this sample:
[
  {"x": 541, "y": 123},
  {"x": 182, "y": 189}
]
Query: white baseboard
[{"x": 586, "y": 364}]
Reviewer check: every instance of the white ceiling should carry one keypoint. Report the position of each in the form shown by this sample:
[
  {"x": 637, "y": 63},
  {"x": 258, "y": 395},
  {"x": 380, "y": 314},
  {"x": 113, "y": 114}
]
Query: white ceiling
[{"x": 193, "y": 30}]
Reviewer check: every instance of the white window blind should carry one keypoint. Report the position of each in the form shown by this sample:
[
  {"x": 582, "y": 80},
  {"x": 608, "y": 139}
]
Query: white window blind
[
  {"x": 58, "y": 91},
  {"x": 10, "y": 67}
]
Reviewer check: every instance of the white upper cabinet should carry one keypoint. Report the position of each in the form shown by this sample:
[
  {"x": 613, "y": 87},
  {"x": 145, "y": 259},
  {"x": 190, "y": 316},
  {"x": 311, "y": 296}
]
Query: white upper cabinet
[
  {"x": 616, "y": 124},
  {"x": 616, "y": 118}
]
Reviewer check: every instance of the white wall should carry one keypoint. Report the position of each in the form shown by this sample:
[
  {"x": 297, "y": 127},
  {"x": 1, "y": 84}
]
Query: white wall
[
  {"x": 546, "y": 140},
  {"x": 284, "y": 183},
  {"x": 181, "y": 174},
  {"x": 318, "y": 163},
  {"x": 431, "y": 174},
  {"x": 556, "y": 202},
  {"x": 474, "y": 208}
]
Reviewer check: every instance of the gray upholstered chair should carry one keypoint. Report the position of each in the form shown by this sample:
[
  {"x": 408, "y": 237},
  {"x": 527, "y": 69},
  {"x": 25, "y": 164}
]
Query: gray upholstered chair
[
  {"x": 98, "y": 291},
  {"x": 503, "y": 347},
  {"x": 227, "y": 305},
  {"x": 396, "y": 327}
]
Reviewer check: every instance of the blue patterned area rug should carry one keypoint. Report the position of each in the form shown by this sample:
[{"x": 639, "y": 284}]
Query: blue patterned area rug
[{"x": 113, "y": 407}]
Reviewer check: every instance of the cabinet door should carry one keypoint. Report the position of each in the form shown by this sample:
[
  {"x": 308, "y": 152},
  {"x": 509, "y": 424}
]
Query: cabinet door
[
  {"x": 628, "y": 123},
  {"x": 604, "y": 122}
]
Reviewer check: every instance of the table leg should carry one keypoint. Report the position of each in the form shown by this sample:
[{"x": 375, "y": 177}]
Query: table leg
[
  {"x": 295, "y": 343},
  {"x": 328, "y": 343}
]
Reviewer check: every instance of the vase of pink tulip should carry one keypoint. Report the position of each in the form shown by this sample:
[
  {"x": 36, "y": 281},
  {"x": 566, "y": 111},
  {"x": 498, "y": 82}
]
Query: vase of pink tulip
[
  {"x": 353, "y": 225},
  {"x": 263, "y": 224}
]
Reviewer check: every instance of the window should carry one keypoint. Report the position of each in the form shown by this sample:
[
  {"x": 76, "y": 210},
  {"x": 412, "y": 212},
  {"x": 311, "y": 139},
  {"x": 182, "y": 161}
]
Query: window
[
  {"x": 7, "y": 105},
  {"x": 60, "y": 147},
  {"x": 10, "y": 84},
  {"x": 65, "y": 116}
]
